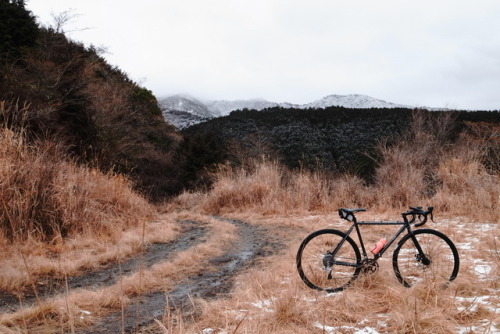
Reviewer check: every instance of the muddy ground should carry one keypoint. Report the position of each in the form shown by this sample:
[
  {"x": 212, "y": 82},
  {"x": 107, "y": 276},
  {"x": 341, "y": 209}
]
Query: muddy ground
[{"x": 253, "y": 242}]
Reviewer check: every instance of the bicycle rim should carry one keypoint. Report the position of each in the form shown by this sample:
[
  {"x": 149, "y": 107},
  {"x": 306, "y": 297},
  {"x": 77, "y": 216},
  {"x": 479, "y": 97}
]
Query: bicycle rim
[
  {"x": 439, "y": 265},
  {"x": 319, "y": 269}
]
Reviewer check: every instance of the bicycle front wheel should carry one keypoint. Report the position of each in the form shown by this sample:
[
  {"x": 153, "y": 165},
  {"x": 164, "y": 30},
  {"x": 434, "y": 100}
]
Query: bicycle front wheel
[
  {"x": 328, "y": 260},
  {"x": 436, "y": 262}
]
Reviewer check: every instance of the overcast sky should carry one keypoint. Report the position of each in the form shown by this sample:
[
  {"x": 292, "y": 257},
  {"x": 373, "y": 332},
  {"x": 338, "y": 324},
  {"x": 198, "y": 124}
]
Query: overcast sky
[{"x": 436, "y": 53}]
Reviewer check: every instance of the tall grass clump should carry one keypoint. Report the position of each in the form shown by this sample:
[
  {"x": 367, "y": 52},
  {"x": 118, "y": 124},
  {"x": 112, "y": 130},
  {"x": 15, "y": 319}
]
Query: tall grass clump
[
  {"x": 267, "y": 187},
  {"x": 44, "y": 195},
  {"x": 437, "y": 166},
  {"x": 407, "y": 170},
  {"x": 466, "y": 187}
]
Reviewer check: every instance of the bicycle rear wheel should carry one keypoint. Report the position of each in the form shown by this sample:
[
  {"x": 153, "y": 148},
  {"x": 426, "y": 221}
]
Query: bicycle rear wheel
[
  {"x": 438, "y": 262},
  {"x": 328, "y": 260}
]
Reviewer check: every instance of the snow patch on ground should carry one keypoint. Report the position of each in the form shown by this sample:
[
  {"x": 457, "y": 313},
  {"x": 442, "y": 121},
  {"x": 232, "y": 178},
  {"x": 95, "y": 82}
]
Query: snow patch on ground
[
  {"x": 264, "y": 304},
  {"x": 337, "y": 329}
]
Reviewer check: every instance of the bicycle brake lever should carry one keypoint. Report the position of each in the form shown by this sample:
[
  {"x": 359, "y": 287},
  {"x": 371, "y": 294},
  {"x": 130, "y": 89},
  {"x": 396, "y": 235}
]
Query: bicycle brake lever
[
  {"x": 430, "y": 209},
  {"x": 422, "y": 222}
]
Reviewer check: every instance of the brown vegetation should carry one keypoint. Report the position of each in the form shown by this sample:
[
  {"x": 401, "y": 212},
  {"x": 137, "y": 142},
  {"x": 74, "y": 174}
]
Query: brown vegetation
[
  {"x": 72, "y": 126},
  {"x": 273, "y": 299},
  {"x": 44, "y": 195},
  {"x": 98, "y": 214},
  {"x": 61, "y": 91},
  {"x": 49, "y": 205},
  {"x": 424, "y": 168}
]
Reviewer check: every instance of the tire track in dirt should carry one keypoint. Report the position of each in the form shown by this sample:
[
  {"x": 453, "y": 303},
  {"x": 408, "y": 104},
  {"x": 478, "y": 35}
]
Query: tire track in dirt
[
  {"x": 193, "y": 233},
  {"x": 254, "y": 242}
]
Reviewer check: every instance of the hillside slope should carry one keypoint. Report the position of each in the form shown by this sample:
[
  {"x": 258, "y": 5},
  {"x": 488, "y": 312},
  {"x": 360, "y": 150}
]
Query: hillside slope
[
  {"x": 59, "y": 90},
  {"x": 335, "y": 138}
]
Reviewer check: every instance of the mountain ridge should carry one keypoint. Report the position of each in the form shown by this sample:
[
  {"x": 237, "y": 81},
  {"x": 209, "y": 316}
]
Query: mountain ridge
[{"x": 201, "y": 111}]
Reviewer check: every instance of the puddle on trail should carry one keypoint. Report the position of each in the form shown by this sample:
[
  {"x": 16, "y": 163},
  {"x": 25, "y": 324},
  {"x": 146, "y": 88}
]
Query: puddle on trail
[
  {"x": 252, "y": 244},
  {"x": 193, "y": 234}
]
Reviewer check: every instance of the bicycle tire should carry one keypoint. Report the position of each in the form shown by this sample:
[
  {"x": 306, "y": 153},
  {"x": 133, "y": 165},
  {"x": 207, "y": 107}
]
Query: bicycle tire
[
  {"x": 440, "y": 265},
  {"x": 313, "y": 255}
]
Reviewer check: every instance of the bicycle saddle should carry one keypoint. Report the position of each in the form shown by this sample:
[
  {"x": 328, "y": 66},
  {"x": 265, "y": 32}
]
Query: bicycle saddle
[
  {"x": 348, "y": 213},
  {"x": 352, "y": 210}
]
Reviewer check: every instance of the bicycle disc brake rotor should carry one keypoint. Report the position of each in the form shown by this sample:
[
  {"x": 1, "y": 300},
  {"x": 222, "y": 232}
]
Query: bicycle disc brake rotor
[
  {"x": 327, "y": 260},
  {"x": 424, "y": 260}
]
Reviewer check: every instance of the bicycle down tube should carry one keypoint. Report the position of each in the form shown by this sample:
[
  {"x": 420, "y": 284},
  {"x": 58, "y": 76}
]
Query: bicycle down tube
[{"x": 405, "y": 226}]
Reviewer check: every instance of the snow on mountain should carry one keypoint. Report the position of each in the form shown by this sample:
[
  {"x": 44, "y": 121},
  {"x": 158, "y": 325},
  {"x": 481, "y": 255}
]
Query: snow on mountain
[
  {"x": 351, "y": 101},
  {"x": 192, "y": 111},
  {"x": 224, "y": 107},
  {"x": 183, "y": 119},
  {"x": 187, "y": 104}
]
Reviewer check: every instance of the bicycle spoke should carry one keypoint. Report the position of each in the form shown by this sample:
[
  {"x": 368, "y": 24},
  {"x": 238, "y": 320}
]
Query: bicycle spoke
[
  {"x": 438, "y": 263},
  {"x": 322, "y": 270}
]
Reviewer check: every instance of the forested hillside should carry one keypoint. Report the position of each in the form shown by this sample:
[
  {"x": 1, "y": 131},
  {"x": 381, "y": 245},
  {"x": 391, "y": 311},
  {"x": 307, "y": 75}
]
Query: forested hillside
[
  {"x": 336, "y": 139},
  {"x": 58, "y": 90}
]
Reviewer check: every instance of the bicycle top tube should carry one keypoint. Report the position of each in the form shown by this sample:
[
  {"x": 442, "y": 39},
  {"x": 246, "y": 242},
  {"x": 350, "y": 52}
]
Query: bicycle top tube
[{"x": 380, "y": 223}]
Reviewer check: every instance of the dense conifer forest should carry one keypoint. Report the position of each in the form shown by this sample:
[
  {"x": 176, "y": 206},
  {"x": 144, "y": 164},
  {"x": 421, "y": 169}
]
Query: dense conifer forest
[{"x": 336, "y": 139}]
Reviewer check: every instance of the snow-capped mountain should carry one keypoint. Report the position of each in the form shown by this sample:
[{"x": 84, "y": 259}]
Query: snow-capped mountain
[
  {"x": 187, "y": 104},
  {"x": 178, "y": 109},
  {"x": 351, "y": 101}
]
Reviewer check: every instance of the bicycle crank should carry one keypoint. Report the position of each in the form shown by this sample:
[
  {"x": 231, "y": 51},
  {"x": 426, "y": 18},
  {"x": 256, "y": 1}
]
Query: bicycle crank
[{"x": 369, "y": 266}]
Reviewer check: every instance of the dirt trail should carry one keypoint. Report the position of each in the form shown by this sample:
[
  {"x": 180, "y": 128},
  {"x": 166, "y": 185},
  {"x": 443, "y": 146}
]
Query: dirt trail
[
  {"x": 253, "y": 243},
  {"x": 193, "y": 233}
]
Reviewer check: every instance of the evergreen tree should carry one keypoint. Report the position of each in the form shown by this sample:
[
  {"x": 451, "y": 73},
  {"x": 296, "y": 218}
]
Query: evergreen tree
[{"x": 18, "y": 27}]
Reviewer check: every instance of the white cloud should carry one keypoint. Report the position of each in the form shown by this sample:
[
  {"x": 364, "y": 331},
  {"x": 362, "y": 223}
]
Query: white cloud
[{"x": 411, "y": 52}]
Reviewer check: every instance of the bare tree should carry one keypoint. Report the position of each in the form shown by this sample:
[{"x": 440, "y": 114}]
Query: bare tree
[{"x": 62, "y": 19}]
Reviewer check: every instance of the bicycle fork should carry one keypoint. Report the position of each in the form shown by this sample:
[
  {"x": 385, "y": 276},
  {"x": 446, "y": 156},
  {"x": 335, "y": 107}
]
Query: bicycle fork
[{"x": 420, "y": 256}]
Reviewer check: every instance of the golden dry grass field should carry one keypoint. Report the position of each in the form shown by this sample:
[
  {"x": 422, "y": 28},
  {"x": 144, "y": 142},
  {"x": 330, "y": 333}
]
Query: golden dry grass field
[
  {"x": 98, "y": 258},
  {"x": 267, "y": 295}
]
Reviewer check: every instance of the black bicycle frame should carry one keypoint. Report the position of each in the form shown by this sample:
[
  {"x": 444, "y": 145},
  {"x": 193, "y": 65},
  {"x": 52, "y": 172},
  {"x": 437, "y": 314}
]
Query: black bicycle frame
[{"x": 405, "y": 226}]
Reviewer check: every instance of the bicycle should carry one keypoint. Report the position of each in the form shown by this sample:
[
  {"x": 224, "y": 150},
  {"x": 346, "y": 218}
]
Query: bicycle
[{"x": 330, "y": 259}]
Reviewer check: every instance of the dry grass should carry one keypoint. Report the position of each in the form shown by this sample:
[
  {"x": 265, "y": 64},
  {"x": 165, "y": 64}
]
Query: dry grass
[
  {"x": 273, "y": 299},
  {"x": 43, "y": 195},
  {"x": 60, "y": 219},
  {"x": 28, "y": 262},
  {"x": 268, "y": 188},
  {"x": 423, "y": 169},
  {"x": 82, "y": 307}
]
